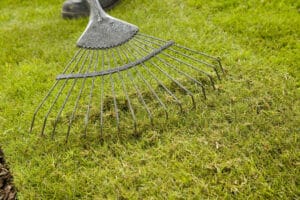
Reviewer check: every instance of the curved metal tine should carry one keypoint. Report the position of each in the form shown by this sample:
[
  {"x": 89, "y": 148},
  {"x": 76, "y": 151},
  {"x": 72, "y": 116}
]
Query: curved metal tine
[
  {"x": 217, "y": 59},
  {"x": 182, "y": 72},
  {"x": 193, "y": 67},
  {"x": 169, "y": 76},
  {"x": 114, "y": 96},
  {"x": 161, "y": 40},
  {"x": 220, "y": 65},
  {"x": 183, "y": 54},
  {"x": 185, "y": 74},
  {"x": 101, "y": 99},
  {"x": 87, "y": 116},
  {"x": 60, "y": 91},
  {"x": 40, "y": 106},
  {"x": 51, "y": 89},
  {"x": 149, "y": 85},
  {"x": 67, "y": 97},
  {"x": 164, "y": 86},
  {"x": 126, "y": 94},
  {"x": 182, "y": 62},
  {"x": 79, "y": 96},
  {"x": 136, "y": 87},
  {"x": 214, "y": 67}
]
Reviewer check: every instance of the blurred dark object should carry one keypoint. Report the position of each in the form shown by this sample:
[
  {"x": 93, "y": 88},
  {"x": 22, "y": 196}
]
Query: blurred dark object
[
  {"x": 80, "y": 8},
  {"x": 7, "y": 188}
]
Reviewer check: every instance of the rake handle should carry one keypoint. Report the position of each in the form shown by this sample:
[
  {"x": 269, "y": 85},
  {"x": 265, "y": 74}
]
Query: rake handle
[{"x": 96, "y": 10}]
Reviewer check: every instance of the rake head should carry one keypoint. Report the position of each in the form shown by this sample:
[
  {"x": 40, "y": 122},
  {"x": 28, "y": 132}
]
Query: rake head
[
  {"x": 119, "y": 84},
  {"x": 104, "y": 31}
]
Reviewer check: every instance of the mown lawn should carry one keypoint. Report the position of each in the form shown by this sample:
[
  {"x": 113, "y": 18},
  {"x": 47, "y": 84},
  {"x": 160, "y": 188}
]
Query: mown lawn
[{"x": 242, "y": 142}]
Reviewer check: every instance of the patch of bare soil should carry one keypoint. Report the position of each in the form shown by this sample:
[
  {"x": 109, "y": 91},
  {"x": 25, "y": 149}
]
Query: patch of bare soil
[{"x": 7, "y": 188}]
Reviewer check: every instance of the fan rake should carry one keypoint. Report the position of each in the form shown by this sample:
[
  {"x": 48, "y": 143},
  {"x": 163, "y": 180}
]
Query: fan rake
[{"x": 120, "y": 76}]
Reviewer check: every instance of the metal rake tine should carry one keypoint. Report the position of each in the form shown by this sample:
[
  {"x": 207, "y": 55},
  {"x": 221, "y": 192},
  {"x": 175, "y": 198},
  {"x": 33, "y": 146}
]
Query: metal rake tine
[
  {"x": 183, "y": 62},
  {"x": 58, "y": 95},
  {"x": 186, "y": 48},
  {"x": 220, "y": 65},
  {"x": 78, "y": 98},
  {"x": 114, "y": 96},
  {"x": 183, "y": 54},
  {"x": 101, "y": 99},
  {"x": 217, "y": 59},
  {"x": 126, "y": 94},
  {"x": 41, "y": 104},
  {"x": 136, "y": 87},
  {"x": 193, "y": 67},
  {"x": 163, "y": 85},
  {"x": 170, "y": 77},
  {"x": 67, "y": 98},
  {"x": 141, "y": 97},
  {"x": 119, "y": 68},
  {"x": 87, "y": 116},
  {"x": 51, "y": 90},
  {"x": 214, "y": 67},
  {"x": 184, "y": 73},
  {"x": 198, "y": 60},
  {"x": 165, "y": 88},
  {"x": 198, "y": 52},
  {"x": 150, "y": 88}
]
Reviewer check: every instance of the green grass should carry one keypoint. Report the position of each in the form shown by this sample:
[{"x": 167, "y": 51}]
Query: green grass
[{"x": 243, "y": 142}]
